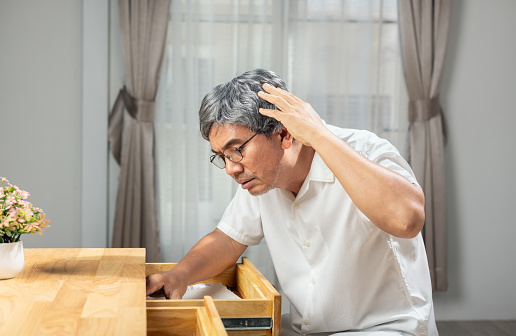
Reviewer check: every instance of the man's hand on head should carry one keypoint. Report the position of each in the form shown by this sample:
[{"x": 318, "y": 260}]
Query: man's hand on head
[{"x": 298, "y": 116}]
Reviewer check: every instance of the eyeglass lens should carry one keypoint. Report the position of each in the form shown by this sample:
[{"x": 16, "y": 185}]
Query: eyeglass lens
[{"x": 233, "y": 154}]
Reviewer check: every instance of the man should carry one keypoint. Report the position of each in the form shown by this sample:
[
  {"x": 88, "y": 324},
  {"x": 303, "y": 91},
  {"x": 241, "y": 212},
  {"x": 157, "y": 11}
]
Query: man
[{"x": 340, "y": 209}]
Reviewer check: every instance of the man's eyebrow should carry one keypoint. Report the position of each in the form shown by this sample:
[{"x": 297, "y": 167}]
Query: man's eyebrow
[{"x": 230, "y": 143}]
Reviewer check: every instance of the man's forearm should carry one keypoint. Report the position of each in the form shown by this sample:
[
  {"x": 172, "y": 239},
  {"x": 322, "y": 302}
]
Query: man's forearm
[{"x": 212, "y": 255}]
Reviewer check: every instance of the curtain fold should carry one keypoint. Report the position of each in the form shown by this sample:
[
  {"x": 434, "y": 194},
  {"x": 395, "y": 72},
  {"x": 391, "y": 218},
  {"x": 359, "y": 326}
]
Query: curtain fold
[
  {"x": 143, "y": 27},
  {"x": 424, "y": 33}
]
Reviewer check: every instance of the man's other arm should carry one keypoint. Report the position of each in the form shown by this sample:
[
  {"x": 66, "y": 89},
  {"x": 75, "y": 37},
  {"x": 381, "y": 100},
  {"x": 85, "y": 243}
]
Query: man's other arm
[{"x": 212, "y": 255}]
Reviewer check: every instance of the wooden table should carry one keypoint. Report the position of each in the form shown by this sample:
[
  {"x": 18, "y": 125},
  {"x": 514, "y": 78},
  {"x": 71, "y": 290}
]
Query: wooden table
[{"x": 76, "y": 292}]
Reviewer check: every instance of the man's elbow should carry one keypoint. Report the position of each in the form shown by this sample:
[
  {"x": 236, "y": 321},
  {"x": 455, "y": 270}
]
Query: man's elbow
[
  {"x": 412, "y": 221},
  {"x": 414, "y": 226}
]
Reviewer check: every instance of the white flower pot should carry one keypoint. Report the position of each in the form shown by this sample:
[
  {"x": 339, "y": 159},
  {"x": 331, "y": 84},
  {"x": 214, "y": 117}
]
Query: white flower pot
[{"x": 11, "y": 259}]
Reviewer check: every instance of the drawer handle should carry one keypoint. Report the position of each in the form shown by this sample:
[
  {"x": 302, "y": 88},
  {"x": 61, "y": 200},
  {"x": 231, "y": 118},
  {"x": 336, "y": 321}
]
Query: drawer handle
[{"x": 247, "y": 323}]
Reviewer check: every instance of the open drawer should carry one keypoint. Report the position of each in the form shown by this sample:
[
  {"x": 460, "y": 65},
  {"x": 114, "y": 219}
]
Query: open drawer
[
  {"x": 181, "y": 321},
  {"x": 257, "y": 313}
]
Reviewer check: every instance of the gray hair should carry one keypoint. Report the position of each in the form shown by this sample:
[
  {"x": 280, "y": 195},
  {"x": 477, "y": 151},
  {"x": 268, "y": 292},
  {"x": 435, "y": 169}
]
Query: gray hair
[{"x": 237, "y": 102}]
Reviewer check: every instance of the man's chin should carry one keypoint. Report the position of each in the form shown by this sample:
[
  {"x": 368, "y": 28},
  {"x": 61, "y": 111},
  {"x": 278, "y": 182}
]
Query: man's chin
[{"x": 259, "y": 191}]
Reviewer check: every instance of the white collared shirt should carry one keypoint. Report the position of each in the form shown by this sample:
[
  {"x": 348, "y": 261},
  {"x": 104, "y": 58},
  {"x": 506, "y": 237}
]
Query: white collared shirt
[{"x": 339, "y": 271}]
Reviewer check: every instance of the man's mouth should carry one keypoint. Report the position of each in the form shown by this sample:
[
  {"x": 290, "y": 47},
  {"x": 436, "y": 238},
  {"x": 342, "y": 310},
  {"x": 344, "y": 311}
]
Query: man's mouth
[{"x": 246, "y": 183}]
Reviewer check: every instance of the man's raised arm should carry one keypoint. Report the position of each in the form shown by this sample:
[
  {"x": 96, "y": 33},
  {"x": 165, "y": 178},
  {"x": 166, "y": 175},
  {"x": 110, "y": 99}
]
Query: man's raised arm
[{"x": 388, "y": 199}]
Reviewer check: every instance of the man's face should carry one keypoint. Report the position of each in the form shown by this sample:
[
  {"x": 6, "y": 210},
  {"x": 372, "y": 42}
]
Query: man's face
[{"x": 261, "y": 167}]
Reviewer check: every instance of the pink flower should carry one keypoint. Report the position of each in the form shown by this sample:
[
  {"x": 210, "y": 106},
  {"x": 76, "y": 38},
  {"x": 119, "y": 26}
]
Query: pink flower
[
  {"x": 5, "y": 222},
  {"x": 24, "y": 204},
  {"x": 21, "y": 194}
]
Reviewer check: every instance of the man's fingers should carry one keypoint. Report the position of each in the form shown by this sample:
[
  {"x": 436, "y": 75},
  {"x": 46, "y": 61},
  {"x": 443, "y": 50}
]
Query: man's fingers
[
  {"x": 275, "y": 90},
  {"x": 173, "y": 295},
  {"x": 154, "y": 290},
  {"x": 270, "y": 113},
  {"x": 280, "y": 102},
  {"x": 150, "y": 285},
  {"x": 154, "y": 285},
  {"x": 158, "y": 293},
  {"x": 176, "y": 295},
  {"x": 287, "y": 96}
]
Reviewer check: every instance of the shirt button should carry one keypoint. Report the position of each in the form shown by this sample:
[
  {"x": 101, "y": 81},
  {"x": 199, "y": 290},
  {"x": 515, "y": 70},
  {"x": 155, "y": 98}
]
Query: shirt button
[
  {"x": 296, "y": 205},
  {"x": 307, "y": 243},
  {"x": 314, "y": 281},
  {"x": 306, "y": 322}
]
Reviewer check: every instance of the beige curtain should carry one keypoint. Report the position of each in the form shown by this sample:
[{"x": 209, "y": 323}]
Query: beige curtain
[
  {"x": 143, "y": 27},
  {"x": 424, "y": 33}
]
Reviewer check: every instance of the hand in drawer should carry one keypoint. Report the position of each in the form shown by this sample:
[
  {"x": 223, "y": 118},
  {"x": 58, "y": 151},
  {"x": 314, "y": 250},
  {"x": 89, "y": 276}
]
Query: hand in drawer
[{"x": 171, "y": 284}]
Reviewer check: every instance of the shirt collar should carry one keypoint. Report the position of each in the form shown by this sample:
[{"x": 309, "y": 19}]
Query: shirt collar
[{"x": 319, "y": 171}]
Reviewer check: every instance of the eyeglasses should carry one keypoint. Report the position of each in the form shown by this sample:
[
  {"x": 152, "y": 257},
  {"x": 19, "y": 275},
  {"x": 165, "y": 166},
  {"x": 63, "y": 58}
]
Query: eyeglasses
[{"x": 233, "y": 154}]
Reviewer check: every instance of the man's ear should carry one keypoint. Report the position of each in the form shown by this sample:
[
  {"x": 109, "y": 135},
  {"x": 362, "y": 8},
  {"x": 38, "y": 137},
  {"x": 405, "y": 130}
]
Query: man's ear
[{"x": 286, "y": 138}]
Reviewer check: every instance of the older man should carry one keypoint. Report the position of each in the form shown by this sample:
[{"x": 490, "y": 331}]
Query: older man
[{"x": 340, "y": 209}]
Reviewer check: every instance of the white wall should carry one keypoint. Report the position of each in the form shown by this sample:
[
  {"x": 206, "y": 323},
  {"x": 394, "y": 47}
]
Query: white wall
[
  {"x": 478, "y": 91},
  {"x": 40, "y": 138},
  {"x": 40, "y": 111}
]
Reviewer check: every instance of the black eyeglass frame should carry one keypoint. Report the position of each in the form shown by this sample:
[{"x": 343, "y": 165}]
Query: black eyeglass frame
[{"x": 223, "y": 156}]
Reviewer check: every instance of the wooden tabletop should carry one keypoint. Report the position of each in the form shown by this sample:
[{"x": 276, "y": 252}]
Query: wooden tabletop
[{"x": 76, "y": 292}]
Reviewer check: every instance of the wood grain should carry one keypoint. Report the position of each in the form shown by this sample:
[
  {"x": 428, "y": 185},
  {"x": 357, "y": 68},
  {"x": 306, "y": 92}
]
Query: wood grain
[{"x": 76, "y": 292}]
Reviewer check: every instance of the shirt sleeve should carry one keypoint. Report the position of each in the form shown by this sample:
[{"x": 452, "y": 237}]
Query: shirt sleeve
[
  {"x": 385, "y": 154},
  {"x": 241, "y": 220},
  {"x": 382, "y": 152}
]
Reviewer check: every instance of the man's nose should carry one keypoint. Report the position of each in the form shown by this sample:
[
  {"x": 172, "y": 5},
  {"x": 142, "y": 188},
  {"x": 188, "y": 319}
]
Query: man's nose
[{"x": 233, "y": 167}]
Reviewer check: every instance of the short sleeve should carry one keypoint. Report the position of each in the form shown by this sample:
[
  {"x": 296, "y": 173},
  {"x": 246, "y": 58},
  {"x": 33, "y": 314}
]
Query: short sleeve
[
  {"x": 241, "y": 220},
  {"x": 385, "y": 154},
  {"x": 376, "y": 149}
]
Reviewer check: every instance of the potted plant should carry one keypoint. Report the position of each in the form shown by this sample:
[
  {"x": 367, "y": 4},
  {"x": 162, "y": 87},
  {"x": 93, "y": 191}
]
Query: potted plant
[{"x": 17, "y": 217}]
